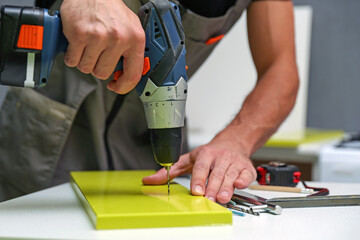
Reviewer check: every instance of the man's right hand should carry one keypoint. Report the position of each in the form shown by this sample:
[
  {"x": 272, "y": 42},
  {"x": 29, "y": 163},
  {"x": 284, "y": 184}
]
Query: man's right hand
[{"x": 99, "y": 33}]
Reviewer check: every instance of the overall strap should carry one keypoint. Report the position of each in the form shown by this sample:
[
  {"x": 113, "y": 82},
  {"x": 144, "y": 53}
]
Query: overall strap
[{"x": 181, "y": 7}]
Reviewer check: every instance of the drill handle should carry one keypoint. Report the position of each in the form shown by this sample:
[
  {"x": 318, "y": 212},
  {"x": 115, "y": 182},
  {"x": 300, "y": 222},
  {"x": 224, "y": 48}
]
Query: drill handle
[{"x": 164, "y": 62}]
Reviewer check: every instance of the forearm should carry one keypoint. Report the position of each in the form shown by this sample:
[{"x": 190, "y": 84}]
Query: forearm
[
  {"x": 272, "y": 44},
  {"x": 264, "y": 109}
]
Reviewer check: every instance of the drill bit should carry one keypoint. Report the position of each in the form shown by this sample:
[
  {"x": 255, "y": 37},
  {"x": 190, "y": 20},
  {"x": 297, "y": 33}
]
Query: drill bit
[{"x": 168, "y": 178}]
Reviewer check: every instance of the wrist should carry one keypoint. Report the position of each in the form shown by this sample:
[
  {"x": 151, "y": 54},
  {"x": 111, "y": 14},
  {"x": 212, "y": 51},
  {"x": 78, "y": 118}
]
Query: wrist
[
  {"x": 244, "y": 138},
  {"x": 235, "y": 138}
]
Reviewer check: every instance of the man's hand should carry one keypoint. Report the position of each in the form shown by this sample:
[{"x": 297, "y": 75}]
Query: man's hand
[
  {"x": 99, "y": 33},
  {"x": 220, "y": 162}
]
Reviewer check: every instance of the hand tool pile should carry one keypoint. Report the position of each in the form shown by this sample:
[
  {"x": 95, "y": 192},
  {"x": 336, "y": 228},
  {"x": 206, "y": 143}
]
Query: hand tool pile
[
  {"x": 277, "y": 176},
  {"x": 244, "y": 202},
  {"x": 252, "y": 204}
]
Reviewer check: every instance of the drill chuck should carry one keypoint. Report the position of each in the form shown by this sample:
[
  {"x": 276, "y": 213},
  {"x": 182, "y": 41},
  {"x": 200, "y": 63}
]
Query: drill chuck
[{"x": 166, "y": 145}]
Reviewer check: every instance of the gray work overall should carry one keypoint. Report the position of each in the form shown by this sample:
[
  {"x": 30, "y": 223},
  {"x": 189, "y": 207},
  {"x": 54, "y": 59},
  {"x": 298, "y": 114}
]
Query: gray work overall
[{"x": 75, "y": 123}]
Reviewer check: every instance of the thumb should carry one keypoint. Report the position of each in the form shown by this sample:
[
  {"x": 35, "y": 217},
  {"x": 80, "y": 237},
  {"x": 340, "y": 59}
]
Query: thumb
[{"x": 160, "y": 177}]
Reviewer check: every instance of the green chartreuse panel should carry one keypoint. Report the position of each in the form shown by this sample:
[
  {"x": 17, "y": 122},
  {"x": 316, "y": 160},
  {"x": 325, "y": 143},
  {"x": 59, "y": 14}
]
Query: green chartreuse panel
[
  {"x": 118, "y": 199},
  {"x": 310, "y": 135}
]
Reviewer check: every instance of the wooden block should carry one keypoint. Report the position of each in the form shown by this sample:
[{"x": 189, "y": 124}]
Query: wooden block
[{"x": 118, "y": 199}]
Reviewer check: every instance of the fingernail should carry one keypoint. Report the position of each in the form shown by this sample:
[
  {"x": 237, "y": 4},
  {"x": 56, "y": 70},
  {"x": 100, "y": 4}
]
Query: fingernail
[
  {"x": 224, "y": 194},
  {"x": 198, "y": 190},
  {"x": 211, "y": 199}
]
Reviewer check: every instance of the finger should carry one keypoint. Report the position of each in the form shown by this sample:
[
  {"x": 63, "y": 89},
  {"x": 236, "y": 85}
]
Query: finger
[
  {"x": 160, "y": 177},
  {"x": 216, "y": 179},
  {"x": 73, "y": 54},
  {"x": 200, "y": 173},
  {"x": 89, "y": 58},
  {"x": 106, "y": 64},
  {"x": 133, "y": 67},
  {"x": 181, "y": 167},
  {"x": 245, "y": 179},
  {"x": 227, "y": 187}
]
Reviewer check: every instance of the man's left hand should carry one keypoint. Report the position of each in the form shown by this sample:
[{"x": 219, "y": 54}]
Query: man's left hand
[{"x": 224, "y": 166}]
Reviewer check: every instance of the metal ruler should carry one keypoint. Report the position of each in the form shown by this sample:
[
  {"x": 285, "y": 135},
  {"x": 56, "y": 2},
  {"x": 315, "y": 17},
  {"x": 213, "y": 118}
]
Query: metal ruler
[{"x": 316, "y": 201}]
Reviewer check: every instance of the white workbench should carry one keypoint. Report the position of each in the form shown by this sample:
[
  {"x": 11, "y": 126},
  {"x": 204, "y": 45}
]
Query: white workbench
[{"x": 56, "y": 213}]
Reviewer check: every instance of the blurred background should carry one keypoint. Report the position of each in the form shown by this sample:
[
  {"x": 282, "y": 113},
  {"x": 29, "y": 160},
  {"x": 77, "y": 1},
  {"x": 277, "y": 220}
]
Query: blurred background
[{"x": 334, "y": 67}]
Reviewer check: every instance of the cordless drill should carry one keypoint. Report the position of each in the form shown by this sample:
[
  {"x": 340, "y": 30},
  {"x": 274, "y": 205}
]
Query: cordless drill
[{"x": 31, "y": 38}]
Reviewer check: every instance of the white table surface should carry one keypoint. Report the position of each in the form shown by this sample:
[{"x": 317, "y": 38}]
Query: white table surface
[{"x": 56, "y": 213}]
